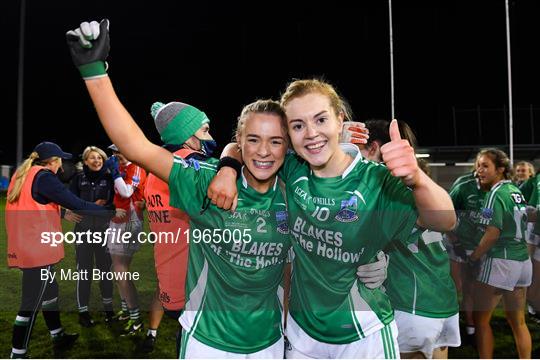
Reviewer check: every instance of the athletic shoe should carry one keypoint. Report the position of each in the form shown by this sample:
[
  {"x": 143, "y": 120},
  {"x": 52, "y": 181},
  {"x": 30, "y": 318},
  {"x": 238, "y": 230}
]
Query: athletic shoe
[
  {"x": 132, "y": 327},
  {"x": 121, "y": 315},
  {"x": 110, "y": 317},
  {"x": 19, "y": 356},
  {"x": 535, "y": 317},
  {"x": 148, "y": 343},
  {"x": 86, "y": 320},
  {"x": 64, "y": 341}
]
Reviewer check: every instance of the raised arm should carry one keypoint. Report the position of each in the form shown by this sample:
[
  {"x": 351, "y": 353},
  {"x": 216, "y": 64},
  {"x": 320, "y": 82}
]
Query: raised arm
[{"x": 89, "y": 47}]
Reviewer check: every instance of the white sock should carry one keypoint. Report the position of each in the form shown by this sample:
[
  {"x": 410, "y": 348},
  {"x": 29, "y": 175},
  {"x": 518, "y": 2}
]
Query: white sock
[
  {"x": 470, "y": 330},
  {"x": 56, "y": 332},
  {"x": 18, "y": 351},
  {"x": 152, "y": 332}
]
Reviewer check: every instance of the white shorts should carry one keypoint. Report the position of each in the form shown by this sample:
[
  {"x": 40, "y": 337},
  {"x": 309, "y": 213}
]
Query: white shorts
[
  {"x": 536, "y": 255},
  {"x": 191, "y": 348},
  {"x": 424, "y": 334},
  {"x": 531, "y": 237},
  {"x": 379, "y": 345},
  {"x": 505, "y": 274},
  {"x": 116, "y": 245}
]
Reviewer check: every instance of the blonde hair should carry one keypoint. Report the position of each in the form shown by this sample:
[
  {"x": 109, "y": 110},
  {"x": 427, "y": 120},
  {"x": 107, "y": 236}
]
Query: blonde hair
[
  {"x": 89, "y": 149},
  {"x": 22, "y": 172},
  {"x": 299, "y": 88},
  {"x": 529, "y": 166},
  {"x": 266, "y": 106}
]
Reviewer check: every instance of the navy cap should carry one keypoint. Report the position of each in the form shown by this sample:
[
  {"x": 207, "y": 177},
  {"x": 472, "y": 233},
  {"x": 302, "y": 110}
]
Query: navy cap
[{"x": 48, "y": 149}]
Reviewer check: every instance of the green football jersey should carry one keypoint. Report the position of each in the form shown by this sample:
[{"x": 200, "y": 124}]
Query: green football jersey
[
  {"x": 462, "y": 179},
  {"x": 468, "y": 199},
  {"x": 235, "y": 264},
  {"x": 419, "y": 280},
  {"x": 536, "y": 229},
  {"x": 505, "y": 209},
  {"x": 337, "y": 224},
  {"x": 530, "y": 190}
]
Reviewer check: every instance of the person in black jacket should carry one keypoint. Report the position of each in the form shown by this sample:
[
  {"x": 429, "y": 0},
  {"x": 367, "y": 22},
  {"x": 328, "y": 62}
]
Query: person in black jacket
[
  {"x": 34, "y": 199},
  {"x": 95, "y": 184}
]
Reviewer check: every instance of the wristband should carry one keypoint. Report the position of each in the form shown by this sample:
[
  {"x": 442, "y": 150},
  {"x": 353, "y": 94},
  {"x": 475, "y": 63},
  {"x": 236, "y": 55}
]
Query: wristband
[
  {"x": 93, "y": 70},
  {"x": 231, "y": 162}
]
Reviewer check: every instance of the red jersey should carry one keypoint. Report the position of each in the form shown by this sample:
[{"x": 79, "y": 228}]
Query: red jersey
[{"x": 134, "y": 176}]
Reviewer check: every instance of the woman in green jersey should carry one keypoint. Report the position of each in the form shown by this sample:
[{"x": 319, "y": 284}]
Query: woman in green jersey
[
  {"x": 468, "y": 198},
  {"x": 531, "y": 191},
  {"x": 236, "y": 260},
  {"x": 501, "y": 258},
  {"x": 342, "y": 211},
  {"x": 419, "y": 285}
]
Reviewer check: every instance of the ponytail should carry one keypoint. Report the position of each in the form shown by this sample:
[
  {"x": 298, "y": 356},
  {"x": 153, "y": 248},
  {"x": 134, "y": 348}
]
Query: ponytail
[{"x": 20, "y": 176}]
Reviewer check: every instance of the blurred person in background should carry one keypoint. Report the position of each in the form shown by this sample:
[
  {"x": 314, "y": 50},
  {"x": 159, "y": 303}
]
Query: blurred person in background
[
  {"x": 34, "y": 198},
  {"x": 129, "y": 188},
  {"x": 468, "y": 198},
  {"x": 531, "y": 191},
  {"x": 190, "y": 140},
  {"x": 94, "y": 183},
  {"x": 419, "y": 284},
  {"x": 500, "y": 263},
  {"x": 523, "y": 171}
]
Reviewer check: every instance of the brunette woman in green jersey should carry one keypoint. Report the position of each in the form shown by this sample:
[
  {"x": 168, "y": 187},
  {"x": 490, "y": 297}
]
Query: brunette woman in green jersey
[{"x": 501, "y": 259}]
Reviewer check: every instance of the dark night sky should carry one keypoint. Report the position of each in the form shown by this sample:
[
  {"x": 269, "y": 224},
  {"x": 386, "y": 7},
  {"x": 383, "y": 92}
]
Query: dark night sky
[{"x": 221, "y": 55}]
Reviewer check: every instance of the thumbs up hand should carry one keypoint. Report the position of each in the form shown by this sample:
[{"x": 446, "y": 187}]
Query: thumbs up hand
[{"x": 399, "y": 157}]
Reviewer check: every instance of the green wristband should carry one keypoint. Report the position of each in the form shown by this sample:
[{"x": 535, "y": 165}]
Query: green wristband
[{"x": 93, "y": 70}]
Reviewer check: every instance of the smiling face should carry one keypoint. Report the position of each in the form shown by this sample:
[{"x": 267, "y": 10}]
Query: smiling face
[
  {"x": 314, "y": 128},
  {"x": 263, "y": 143},
  {"x": 488, "y": 173},
  {"x": 94, "y": 161},
  {"x": 522, "y": 172}
]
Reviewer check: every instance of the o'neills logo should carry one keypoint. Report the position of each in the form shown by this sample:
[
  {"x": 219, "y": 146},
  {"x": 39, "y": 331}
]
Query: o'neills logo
[{"x": 12, "y": 256}]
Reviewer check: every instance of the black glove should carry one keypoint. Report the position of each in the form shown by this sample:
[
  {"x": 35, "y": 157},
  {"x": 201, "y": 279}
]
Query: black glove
[
  {"x": 474, "y": 267},
  {"x": 89, "y": 47},
  {"x": 459, "y": 250}
]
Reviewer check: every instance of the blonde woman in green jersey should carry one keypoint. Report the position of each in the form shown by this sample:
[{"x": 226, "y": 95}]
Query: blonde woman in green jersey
[
  {"x": 501, "y": 259},
  {"x": 342, "y": 211}
]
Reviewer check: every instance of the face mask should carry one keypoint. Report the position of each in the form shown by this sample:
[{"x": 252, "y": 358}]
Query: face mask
[{"x": 208, "y": 146}]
